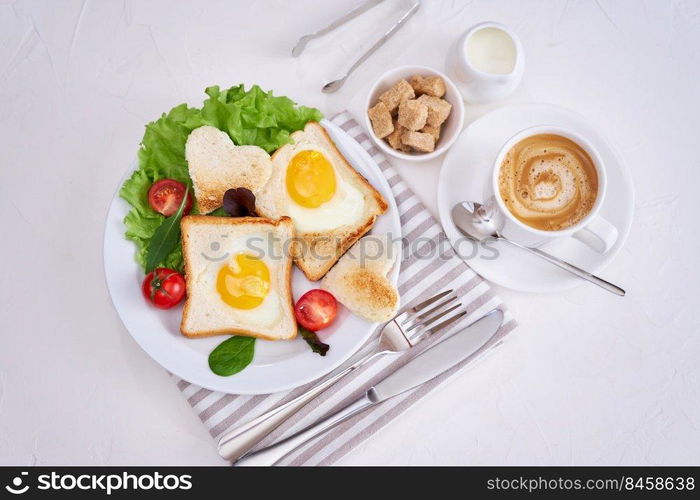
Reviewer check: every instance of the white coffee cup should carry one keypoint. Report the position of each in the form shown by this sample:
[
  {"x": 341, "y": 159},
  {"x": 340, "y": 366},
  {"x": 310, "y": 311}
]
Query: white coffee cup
[
  {"x": 476, "y": 84},
  {"x": 593, "y": 230}
]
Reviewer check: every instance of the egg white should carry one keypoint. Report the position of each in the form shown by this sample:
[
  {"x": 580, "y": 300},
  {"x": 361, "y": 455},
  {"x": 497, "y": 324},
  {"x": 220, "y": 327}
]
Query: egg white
[{"x": 345, "y": 207}]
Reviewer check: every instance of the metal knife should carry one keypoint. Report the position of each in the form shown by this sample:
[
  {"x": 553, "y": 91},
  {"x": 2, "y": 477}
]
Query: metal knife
[{"x": 424, "y": 367}]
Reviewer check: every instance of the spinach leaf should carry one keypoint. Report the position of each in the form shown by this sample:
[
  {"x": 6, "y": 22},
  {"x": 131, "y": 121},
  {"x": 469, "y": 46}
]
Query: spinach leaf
[
  {"x": 314, "y": 342},
  {"x": 166, "y": 237},
  {"x": 219, "y": 212},
  {"x": 232, "y": 355}
]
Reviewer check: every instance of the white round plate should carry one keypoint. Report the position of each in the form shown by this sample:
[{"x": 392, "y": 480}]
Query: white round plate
[
  {"x": 277, "y": 366},
  {"x": 466, "y": 175}
]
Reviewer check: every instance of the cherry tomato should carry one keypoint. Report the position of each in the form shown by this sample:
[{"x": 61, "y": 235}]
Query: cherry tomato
[
  {"x": 164, "y": 288},
  {"x": 166, "y": 195},
  {"x": 316, "y": 309}
]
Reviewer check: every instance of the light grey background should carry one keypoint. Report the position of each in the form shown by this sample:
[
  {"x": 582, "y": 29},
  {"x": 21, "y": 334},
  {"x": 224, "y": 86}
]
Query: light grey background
[{"x": 586, "y": 379}]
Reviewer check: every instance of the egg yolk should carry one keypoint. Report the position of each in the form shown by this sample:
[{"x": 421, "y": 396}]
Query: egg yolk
[
  {"x": 310, "y": 179},
  {"x": 244, "y": 282}
]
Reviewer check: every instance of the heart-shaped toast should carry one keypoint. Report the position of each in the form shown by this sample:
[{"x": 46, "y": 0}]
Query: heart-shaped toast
[
  {"x": 216, "y": 164},
  {"x": 359, "y": 279}
]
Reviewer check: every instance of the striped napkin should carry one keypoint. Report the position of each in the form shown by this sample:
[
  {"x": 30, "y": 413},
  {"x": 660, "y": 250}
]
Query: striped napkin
[{"x": 419, "y": 279}]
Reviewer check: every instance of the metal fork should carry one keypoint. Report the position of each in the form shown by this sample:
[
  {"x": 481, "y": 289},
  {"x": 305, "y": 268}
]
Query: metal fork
[{"x": 406, "y": 330}]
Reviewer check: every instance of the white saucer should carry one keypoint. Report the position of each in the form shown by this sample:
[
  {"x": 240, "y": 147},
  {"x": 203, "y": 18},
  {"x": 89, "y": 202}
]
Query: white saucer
[{"x": 466, "y": 174}]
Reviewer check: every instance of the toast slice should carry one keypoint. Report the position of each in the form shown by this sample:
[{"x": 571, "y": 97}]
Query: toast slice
[
  {"x": 359, "y": 280},
  {"x": 210, "y": 244},
  {"x": 326, "y": 232},
  {"x": 216, "y": 164}
]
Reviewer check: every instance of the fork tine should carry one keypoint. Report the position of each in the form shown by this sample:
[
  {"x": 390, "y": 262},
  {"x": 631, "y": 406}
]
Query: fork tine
[
  {"x": 433, "y": 319},
  {"x": 427, "y": 307},
  {"x": 447, "y": 322},
  {"x": 430, "y": 331},
  {"x": 429, "y": 301},
  {"x": 424, "y": 314},
  {"x": 401, "y": 317}
]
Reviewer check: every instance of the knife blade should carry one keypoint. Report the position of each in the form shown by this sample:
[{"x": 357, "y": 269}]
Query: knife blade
[{"x": 438, "y": 358}]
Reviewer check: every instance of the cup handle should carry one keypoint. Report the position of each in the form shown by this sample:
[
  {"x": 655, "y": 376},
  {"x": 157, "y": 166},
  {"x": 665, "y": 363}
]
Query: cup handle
[{"x": 598, "y": 234}]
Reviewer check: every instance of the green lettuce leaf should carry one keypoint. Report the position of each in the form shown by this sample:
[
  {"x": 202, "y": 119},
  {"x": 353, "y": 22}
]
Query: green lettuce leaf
[
  {"x": 255, "y": 117},
  {"x": 252, "y": 117}
]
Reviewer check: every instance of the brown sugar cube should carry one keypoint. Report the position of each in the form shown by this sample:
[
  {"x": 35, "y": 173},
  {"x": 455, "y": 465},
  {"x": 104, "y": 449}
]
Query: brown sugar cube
[
  {"x": 413, "y": 114},
  {"x": 400, "y": 92},
  {"x": 431, "y": 85},
  {"x": 381, "y": 120},
  {"x": 425, "y": 143},
  {"x": 438, "y": 109},
  {"x": 394, "y": 139},
  {"x": 434, "y": 131}
]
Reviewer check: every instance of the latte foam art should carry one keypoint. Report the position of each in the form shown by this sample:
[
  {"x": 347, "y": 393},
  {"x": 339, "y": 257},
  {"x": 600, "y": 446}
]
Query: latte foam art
[{"x": 548, "y": 182}]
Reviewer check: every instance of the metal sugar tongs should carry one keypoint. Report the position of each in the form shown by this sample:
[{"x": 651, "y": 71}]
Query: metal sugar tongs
[{"x": 360, "y": 9}]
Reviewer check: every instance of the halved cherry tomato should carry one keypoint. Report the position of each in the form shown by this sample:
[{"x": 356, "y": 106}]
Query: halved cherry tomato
[
  {"x": 166, "y": 195},
  {"x": 164, "y": 288},
  {"x": 316, "y": 309}
]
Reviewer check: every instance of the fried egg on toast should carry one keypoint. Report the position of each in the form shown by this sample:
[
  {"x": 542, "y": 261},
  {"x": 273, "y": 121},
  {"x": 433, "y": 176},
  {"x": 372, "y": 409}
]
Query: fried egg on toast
[
  {"x": 238, "y": 275},
  {"x": 329, "y": 202}
]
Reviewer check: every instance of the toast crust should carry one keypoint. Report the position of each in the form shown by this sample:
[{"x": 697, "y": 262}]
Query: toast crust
[
  {"x": 315, "y": 269},
  {"x": 231, "y": 221},
  {"x": 313, "y": 240}
]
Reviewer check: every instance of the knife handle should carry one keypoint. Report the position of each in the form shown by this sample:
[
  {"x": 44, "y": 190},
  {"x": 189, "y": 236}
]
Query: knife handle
[
  {"x": 239, "y": 441},
  {"x": 235, "y": 444},
  {"x": 276, "y": 452}
]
